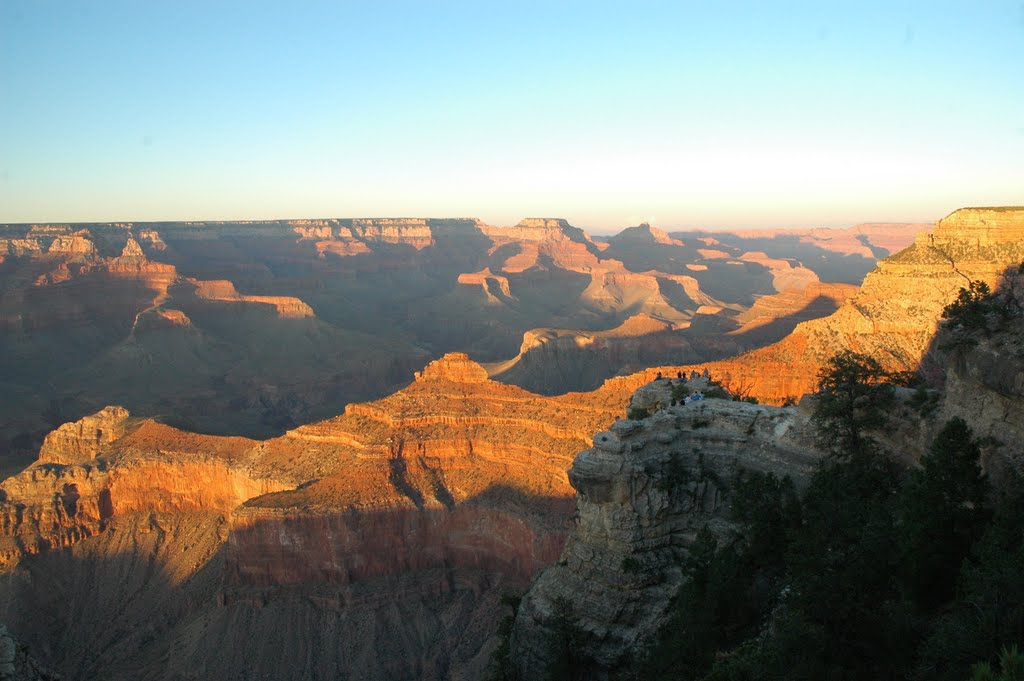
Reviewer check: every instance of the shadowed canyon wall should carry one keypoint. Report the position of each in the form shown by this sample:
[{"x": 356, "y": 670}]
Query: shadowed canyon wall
[{"x": 386, "y": 535}]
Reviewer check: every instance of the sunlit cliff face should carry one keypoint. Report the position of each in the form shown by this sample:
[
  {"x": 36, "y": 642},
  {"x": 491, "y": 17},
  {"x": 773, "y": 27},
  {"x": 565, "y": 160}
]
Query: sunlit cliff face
[
  {"x": 446, "y": 493},
  {"x": 452, "y": 442},
  {"x": 896, "y": 312},
  {"x": 255, "y": 327}
]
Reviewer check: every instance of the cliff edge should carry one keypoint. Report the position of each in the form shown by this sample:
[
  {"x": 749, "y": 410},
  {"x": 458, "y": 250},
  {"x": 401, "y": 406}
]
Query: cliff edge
[{"x": 644, "y": 491}]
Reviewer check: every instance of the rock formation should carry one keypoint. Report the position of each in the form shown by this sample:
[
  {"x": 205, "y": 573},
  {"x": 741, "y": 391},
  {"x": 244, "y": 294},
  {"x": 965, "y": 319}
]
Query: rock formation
[
  {"x": 224, "y": 291},
  {"x": 16, "y": 664},
  {"x": 82, "y": 440},
  {"x": 374, "y": 544},
  {"x": 984, "y": 385},
  {"x": 835, "y": 255},
  {"x": 551, "y": 359},
  {"x": 184, "y": 318},
  {"x": 456, "y": 367},
  {"x": 644, "y": 490},
  {"x": 792, "y": 306},
  {"x": 106, "y": 466},
  {"x": 896, "y": 312},
  {"x": 410, "y": 514}
]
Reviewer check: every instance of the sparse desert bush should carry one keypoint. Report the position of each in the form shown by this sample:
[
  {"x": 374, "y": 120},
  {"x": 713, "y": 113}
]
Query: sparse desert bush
[{"x": 637, "y": 414}]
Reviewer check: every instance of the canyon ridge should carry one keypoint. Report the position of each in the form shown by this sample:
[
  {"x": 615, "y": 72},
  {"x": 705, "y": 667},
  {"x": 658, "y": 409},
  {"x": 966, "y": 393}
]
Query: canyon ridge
[{"x": 328, "y": 448}]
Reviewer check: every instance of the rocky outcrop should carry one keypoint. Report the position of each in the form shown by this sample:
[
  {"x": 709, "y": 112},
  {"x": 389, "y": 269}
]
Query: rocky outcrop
[
  {"x": 786, "y": 274},
  {"x": 107, "y": 465},
  {"x": 792, "y": 306},
  {"x": 644, "y": 491},
  {"x": 455, "y": 366},
  {"x": 78, "y": 245},
  {"x": 494, "y": 286},
  {"x": 132, "y": 249},
  {"x": 16, "y": 664},
  {"x": 551, "y": 359},
  {"x": 157, "y": 319},
  {"x": 981, "y": 228},
  {"x": 645, "y": 233},
  {"x": 82, "y": 440},
  {"x": 985, "y": 387},
  {"x": 415, "y": 232},
  {"x": 224, "y": 291}
]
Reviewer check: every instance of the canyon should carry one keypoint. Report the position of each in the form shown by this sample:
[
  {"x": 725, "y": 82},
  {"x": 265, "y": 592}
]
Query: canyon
[
  {"x": 647, "y": 488},
  {"x": 893, "y": 316},
  {"x": 400, "y": 523},
  {"x": 250, "y": 484},
  {"x": 184, "y": 320}
]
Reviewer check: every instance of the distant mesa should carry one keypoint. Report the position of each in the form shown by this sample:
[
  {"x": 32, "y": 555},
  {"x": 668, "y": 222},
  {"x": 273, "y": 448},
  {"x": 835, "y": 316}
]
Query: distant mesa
[
  {"x": 456, "y": 367},
  {"x": 224, "y": 291},
  {"x": 77, "y": 244},
  {"x": 543, "y": 223},
  {"x": 646, "y": 233}
]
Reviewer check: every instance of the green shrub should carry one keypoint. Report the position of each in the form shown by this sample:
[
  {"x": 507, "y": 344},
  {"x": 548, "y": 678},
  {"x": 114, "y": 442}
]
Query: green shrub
[
  {"x": 717, "y": 392},
  {"x": 500, "y": 667},
  {"x": 637, "y": 414}
]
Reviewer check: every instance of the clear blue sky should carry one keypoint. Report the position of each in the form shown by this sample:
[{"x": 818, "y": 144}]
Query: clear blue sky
[{"x": 710, "y": 114}]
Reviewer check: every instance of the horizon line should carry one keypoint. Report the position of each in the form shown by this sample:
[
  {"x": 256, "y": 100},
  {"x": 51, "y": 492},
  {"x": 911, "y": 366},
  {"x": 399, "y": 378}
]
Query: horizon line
[{"x": 609, "y": 230}]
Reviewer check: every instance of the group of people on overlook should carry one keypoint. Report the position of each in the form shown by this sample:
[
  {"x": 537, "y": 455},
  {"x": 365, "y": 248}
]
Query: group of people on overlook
[{"x": 680, "y": 380}]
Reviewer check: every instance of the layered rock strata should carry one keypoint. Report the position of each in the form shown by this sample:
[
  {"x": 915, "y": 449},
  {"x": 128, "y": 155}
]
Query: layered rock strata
[
  {"x": 188, "y": 319},
  {"x": 407, "y": 515},
  {"x": 80, "y": 441},
  {"x": 106, "y": 466},
  {"x": 894, "y": 316},
  {"x": 985, "y": 387},
  {"x": 644, "y": 491}
]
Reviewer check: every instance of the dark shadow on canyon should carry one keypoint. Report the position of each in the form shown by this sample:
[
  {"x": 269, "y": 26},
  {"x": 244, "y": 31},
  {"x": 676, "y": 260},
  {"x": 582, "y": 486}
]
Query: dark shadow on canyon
[
  {"x": 709, "y": 338},
  {"x": 950, "y": 346},
  {"x": 830, "y": 266},
  {"x": 780, "y": 327},
  {"x": 392, "y": 594}
]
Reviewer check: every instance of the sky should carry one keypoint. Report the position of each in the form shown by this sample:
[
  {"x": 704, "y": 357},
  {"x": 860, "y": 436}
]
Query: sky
[{"x": 682, "y": 114}]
